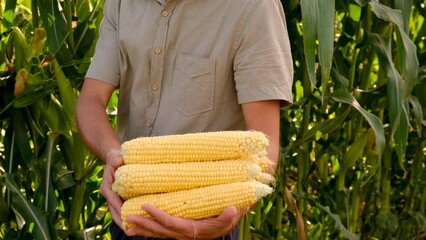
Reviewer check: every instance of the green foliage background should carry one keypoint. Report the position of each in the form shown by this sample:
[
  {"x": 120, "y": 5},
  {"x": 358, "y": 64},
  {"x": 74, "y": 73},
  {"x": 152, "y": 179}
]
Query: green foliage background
[{"x": 353, "y": 154}]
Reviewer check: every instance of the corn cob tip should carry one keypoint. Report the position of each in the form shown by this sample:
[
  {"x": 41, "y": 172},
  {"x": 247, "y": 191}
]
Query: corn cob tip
[
  {"x": 255, "y": 142},
  {"x": 262, "y": 190},
  {"x": 266, "y": 178},
  {"x": 254, "y": 171}
]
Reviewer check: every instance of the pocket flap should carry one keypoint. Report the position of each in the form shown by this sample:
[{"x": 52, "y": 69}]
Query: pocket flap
[{"x": 195, "y": 66}]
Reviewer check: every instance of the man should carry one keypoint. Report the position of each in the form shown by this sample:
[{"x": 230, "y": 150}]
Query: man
[{"x": 184, "y": 66}]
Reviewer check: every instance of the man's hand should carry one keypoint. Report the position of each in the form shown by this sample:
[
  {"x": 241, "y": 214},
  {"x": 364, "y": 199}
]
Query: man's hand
[
  {"x": 166, "y": 226},
  {"x": 113, "y": 161}
]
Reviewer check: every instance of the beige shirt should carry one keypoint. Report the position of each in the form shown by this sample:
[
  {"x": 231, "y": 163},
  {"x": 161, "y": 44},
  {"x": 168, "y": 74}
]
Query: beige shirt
[{"x": 187, "y": 65}]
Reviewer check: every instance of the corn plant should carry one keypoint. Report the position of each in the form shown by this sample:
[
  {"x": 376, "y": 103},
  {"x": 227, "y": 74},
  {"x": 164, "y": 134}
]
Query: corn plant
[
  {"x": 49, "y": 181},
  {"x": 353, "y": 157},
  {"x": 354, "y": 148}
]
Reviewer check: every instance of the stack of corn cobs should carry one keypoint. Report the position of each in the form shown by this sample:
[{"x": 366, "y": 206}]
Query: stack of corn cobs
[{"x": 193, "y": 175}]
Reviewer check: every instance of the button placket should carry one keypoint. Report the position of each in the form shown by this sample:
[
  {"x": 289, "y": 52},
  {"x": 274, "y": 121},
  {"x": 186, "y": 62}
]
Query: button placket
[{"x": 157, "y": 65}]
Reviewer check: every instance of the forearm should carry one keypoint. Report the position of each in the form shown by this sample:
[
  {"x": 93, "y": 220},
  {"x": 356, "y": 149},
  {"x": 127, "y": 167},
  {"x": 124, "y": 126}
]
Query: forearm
[
  {"x": 264, "y": 116},
  {"x": 93, "y": 123}
]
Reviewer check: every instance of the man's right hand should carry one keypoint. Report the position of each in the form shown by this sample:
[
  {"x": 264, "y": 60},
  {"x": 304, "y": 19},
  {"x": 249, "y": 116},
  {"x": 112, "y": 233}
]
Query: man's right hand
[{"x": 114, "y": 160}]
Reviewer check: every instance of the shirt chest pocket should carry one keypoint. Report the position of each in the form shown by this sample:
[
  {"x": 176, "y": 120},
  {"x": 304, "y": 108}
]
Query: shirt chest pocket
[{"x": 193, "y": 84}]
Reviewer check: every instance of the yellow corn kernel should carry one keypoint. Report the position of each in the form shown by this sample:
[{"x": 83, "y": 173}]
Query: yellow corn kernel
[
  {"x": 139, "y": 179},
  {"x": 194, "y": 147},
  {"x": 265, "y": 163},
  {"x": 198, "y": 203}
]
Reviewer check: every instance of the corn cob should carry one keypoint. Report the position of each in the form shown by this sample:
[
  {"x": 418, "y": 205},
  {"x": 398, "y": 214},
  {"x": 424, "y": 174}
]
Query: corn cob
[
  {"x": 139, "y": 179},
  {"x": 264, "y": 162},
  {"x": 198, "y": 203},
  {"x": 194, "y": 147}
]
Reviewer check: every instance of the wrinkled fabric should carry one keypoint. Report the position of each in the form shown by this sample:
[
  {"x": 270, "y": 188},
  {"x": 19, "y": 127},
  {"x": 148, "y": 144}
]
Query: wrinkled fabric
[{"x": 187, "y": 66}]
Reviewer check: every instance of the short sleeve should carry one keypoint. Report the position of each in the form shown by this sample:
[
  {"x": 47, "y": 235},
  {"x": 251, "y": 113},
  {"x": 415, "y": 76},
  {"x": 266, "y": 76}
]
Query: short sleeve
[
  {"x": 263, "y": 65},
  {"x": 105, "y": 64}
]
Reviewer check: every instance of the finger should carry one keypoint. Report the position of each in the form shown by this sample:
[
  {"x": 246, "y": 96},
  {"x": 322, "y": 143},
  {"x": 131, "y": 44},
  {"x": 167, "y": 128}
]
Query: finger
[
  {"x": 114, "y": 158},
  {"x": 176, "y": 224},
  {"x": 229, "y": 214},
  {"x": 135, "y": 231},
  {"x": 115, "y": 214},
  {"x": 149, "y": 228},
  {"x": 106, "y": 188},
  {"x": 217, "y": 226},
  {"x": 114, "y": 201},
  {"x": 208, "y": 228}
]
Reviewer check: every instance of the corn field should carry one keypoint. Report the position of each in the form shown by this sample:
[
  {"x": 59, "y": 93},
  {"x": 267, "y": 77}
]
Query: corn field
[{"x": 353, "y": 147}]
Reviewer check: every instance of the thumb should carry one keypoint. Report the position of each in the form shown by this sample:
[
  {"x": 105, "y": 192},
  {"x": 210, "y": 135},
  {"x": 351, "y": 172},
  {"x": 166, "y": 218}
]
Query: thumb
[{"x": 229, "y": 214}]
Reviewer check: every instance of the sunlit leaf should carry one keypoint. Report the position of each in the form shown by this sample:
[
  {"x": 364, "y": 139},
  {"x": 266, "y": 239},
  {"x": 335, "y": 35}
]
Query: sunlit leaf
[
  {"x": 355, "y": 152},
  {"x": 324, "y": 127},
  {"x": 325, "y": 32},
  {"x": 8, "y": 15},
  {"x": 29, "y": 212},
  {"x": 373, "y": 120},
  {"x": 346, "y": 234},
  {"x": 407, "y": 51},
  {"x": 418, "y": 113},
  {"x": 309, "y": 18},
  {"x": 397, "y": 105},
  {"x": 405, "y": 7}
]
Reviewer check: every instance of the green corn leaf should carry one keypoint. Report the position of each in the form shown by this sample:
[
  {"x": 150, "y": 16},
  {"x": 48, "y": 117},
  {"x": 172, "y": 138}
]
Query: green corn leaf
[
  {"x": 64, "y": 178},
  {"x": 4, "y": 210},
  {"x": 346, "y": 234},
  {"x": 325, "y": 32},
  {"x": 407, "y": 51},
  {"x": 22, "y": 140},
  {"x": 362, "y": 3},
  {"x": 355, "y": 152},
  {"x": 418, "y": 113},
  {"x": 51, "y": 140},
  {"x": 56, "y": 28},
  {"x": 83, "y": 8},
  {"x": 342, "y": 80},
  {"x": 324, "y": 127},
  {"x": 309, "y": 19},
  {"x": 21, "y": 49},
  {"x": 79, "y": 154},
  {"x": 8, "y": 15},
  {"x": 405, "y": 7},
  {"x": 397, "y": 106},
  {"x": 54, "y": 23},
  {"x": 66, "y": 91},
  {"x": 373, "y": 120},
  {"x": 34, "y": 96},
  {"x": 29, "y": 212},
  {"x": 54, "y": 116}
]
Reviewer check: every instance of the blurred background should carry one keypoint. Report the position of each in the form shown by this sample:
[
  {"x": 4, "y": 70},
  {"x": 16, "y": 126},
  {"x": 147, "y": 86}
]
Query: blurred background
[{"x": 353, "y": 154}]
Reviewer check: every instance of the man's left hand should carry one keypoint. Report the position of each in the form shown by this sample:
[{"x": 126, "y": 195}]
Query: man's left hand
[{"x": 163, "y": 225}]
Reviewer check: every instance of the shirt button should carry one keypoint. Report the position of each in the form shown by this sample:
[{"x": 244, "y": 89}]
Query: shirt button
[
  {"x": 148, "y": 123},
  {"x": 165, "y": 13},
  {"x": 157, "y": 50},
  {"x": 154, "y": 87}
]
